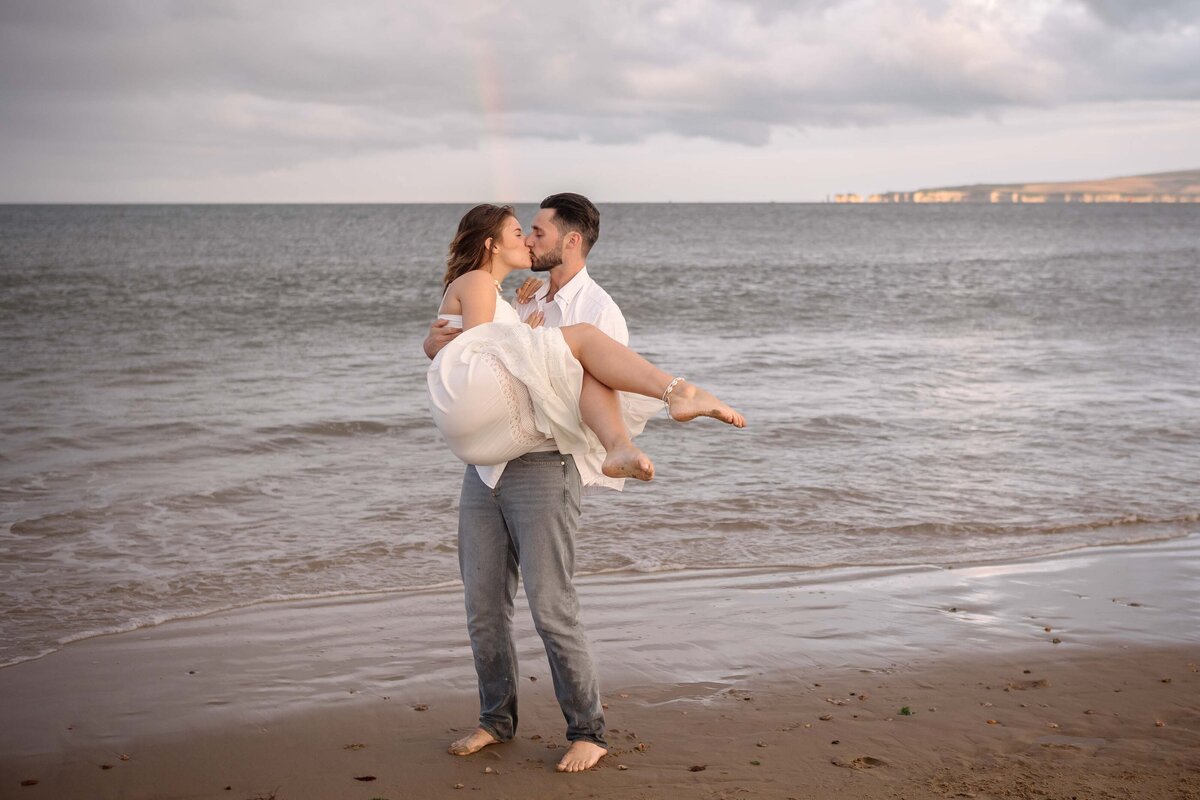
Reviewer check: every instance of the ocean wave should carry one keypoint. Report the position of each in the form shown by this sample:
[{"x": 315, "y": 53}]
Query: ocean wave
[
  {"x": 154, "y": 620},
  {"x": 945, "y": 529},
  {"x": 342, "y": 428}
]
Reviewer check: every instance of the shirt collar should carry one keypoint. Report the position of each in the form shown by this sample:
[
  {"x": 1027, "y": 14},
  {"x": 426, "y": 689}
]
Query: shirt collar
[{"x": 570, "y": 290}]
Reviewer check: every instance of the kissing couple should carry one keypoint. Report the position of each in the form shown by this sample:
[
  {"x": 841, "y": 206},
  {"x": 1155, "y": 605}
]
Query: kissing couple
[{"x": 538, "y": 399}]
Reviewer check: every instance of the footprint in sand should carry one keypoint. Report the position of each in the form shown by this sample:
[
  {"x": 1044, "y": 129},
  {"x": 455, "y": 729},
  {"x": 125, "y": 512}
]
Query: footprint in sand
[{"x": 862, "y": 762}]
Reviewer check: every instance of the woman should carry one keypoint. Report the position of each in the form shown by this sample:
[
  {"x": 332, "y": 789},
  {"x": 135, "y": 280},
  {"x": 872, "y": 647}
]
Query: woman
[{"x": 502, "y": 387}]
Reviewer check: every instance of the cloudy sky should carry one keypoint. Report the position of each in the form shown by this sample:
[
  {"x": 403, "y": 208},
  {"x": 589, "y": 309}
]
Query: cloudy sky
[{"x": 464, "y": 100}]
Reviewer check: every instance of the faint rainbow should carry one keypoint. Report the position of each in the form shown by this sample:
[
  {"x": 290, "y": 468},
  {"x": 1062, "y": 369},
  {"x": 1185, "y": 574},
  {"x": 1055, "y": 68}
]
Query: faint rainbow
[{"x": 495, "y": 143}]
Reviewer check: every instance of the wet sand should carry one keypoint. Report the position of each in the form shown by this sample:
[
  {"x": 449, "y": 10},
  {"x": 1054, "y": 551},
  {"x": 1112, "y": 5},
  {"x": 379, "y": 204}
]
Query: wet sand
[{"x": 721, "y": 684}]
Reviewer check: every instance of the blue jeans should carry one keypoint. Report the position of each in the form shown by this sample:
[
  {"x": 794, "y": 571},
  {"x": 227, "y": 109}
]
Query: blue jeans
[{"x": 528, "y": 522}]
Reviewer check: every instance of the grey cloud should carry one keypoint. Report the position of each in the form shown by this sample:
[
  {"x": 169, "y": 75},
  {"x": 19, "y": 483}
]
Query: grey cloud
[
  {"x": 238, "y": 85},
  {"x": 1153, "y": 14}
]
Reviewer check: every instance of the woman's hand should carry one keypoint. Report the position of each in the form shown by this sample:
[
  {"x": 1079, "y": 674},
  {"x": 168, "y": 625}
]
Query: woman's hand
[
  {"x": 535, "y": 318},
  {"x": 528, "y": 289}
]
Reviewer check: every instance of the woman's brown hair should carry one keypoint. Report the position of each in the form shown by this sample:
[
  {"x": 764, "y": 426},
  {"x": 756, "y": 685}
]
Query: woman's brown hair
[{"x": 469, "y": 249}]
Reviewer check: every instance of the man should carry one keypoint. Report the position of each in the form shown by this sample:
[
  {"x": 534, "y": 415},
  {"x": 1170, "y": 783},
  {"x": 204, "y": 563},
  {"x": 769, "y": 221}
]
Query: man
[{"x": 524, "y": 514}]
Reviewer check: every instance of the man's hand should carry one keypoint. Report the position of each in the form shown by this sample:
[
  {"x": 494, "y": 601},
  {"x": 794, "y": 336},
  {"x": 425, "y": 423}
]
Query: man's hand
[
  {"x": 535, "y": 318},
  {"x": 440, "y": 335},
  {"x": 528, "y": 289}
]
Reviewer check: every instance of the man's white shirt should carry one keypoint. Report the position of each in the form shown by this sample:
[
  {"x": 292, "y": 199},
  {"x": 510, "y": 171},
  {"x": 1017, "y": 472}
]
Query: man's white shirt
[{"x": 580, "y": 300}]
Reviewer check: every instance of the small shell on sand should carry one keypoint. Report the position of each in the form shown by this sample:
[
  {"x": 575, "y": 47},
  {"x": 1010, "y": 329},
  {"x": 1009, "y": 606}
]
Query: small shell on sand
[{"x": 622, "y": 767}]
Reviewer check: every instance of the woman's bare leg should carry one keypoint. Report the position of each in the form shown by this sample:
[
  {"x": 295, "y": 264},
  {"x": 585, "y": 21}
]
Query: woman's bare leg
[
  {"x": 601, "y": 411},
  {"x": 617, "y": 367}
]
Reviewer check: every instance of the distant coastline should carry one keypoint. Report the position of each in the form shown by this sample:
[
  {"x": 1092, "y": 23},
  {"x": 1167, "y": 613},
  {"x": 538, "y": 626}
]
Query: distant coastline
[{"x": 1161, "y": 187}]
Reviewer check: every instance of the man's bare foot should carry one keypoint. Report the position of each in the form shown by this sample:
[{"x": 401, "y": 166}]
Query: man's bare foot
[
  {"x": 580, "y": 755},
  {"x": 627, "y": 461},
  {"x": 688, "y": 401},
  {"x": 473, "y": 742}
]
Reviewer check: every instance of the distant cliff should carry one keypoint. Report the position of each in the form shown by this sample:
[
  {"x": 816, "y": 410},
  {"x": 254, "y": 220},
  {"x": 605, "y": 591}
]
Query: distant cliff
[{"x": 1162, "y": 187}]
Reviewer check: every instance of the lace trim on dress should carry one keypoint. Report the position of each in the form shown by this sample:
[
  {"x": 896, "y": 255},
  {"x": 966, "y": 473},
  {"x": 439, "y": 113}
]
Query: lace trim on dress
[{"x": 521, "y": 424}]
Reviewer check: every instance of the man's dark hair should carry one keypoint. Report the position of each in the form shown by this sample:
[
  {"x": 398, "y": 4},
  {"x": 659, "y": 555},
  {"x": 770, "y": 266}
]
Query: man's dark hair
[{"x": 574, "y": 212}]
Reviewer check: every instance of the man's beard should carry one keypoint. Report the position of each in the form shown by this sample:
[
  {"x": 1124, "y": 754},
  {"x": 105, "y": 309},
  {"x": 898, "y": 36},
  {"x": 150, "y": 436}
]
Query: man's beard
[{"x": 547, "y": 261}]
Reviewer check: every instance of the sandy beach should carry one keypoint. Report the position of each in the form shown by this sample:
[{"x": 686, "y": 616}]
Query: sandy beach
[{"x": 1075, "y": 675}]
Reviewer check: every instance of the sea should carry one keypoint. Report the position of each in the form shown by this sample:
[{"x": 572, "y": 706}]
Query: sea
[{"x": 212, "y": 406}]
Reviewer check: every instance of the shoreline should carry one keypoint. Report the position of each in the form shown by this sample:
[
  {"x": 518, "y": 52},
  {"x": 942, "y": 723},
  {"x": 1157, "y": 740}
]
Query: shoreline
[
  {"x": 624, "y": 572},
  {"x": 263, "y": 693}
]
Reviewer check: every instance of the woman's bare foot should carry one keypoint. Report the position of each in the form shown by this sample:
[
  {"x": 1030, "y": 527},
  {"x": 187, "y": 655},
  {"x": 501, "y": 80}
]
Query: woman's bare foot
[
  {"x": 688, "y": 401},
  {"x": 473, "y": 742},
  {"x": 627, "y": 461},
  {"x": 580, "y": 755}
]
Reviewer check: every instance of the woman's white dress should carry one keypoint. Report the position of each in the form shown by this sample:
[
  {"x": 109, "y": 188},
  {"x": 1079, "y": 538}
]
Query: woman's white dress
[{"x": 501, "y": 389}]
